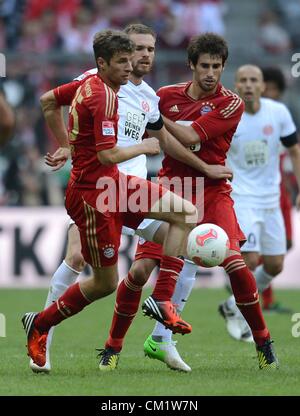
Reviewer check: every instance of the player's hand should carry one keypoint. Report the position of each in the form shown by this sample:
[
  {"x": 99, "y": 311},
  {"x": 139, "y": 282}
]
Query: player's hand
[
  {"x": 151, "y": 146},
  {"x": 219, "y": 172},
  {"x": 58, "y": 159}
]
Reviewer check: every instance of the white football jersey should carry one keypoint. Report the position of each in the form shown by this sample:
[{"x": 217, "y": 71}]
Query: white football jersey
[
  {"x": 137, "y": 106},
  {"x": 254, "y": 154}
]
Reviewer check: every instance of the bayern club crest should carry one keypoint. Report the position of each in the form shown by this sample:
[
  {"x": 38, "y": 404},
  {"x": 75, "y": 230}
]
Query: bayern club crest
[{"x": 206, "y": 108}]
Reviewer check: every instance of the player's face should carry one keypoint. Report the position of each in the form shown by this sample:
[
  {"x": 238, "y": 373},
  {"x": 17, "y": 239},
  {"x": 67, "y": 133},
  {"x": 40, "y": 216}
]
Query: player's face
[
  {"x": 272, "y": 91},
  {"x": 143, "y": 56},
  {"x": 119, "y": 68},
  {"x": 208, "y": 71},
  {"x": 249, "y": 84}
]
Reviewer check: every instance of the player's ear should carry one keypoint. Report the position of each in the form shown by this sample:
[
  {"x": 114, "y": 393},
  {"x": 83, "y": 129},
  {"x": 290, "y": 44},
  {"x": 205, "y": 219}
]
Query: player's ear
[
  {"x": 100, "y": 63},
  {"x": 191, "y": 65}
]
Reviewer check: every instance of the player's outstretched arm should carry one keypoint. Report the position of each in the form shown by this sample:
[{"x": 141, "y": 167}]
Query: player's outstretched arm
[
  {"x": 294, "y": 152},
  {"x": 215, "y": 123},
  {"x": 119, "y": 154},
  {"x": 7, "y": 120}
]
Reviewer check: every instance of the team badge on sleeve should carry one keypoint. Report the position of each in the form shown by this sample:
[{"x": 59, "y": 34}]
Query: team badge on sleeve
[{"x": 108, "y": 128}]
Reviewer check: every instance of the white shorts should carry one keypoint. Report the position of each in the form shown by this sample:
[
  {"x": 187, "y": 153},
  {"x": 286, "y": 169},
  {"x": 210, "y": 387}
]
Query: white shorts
[
  {"x": 264, "y": 229},
  {"x": 146, "y": 229}
]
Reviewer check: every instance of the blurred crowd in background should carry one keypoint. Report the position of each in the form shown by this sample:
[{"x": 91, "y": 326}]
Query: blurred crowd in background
[{"x": 48, "y": 42}]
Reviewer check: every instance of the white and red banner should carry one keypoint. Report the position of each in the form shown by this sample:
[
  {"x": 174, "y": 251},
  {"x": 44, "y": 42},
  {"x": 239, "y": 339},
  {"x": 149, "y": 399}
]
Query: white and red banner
[{"x": 33, "y": 243}]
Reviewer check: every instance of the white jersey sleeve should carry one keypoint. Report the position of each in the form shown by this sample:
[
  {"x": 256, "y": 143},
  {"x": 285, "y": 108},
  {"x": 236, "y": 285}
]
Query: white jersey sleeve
[
  {"x": 287, "y": 125},
  {"x": 155, "y": 113}
]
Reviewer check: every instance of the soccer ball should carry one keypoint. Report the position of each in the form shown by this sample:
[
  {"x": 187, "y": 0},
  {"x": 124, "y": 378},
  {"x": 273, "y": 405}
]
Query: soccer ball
[{"x": 207, "y": 245}]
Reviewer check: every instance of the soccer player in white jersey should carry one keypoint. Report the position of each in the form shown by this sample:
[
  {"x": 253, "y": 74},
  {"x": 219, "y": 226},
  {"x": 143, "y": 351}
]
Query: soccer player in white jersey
[
  {"x": 254, "y": 158},
  {"x": 138, "y": 110}
]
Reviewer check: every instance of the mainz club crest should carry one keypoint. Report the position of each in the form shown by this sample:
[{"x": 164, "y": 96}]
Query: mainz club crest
[
  {"x": 268, "y": 130},
  {"x": 145, "y": 106}
]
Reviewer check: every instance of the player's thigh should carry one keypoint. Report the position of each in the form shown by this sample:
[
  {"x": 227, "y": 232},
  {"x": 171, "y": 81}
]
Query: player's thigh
[
  {"x": 73, "y": 256},
  {"x": 173, "y": 209},
  {"x": 106, "y": 277},
  {"x": 273, "y": 239}
]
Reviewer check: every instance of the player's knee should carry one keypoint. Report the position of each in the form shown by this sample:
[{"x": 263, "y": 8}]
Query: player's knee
[
  {"x": 191, "y": 213},
  {"x": 140, "y": 273},
  {"x": 275, "y": 268},
  {"x": 75, "y": 260},
  {"x": 111, "y": 286}
]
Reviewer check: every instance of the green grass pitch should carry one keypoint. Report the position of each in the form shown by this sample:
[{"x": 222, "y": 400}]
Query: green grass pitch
[{"x": 221, "y": 366}]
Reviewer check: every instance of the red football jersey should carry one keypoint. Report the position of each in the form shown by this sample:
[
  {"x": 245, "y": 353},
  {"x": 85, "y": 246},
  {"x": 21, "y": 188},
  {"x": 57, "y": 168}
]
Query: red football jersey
[
  {"x": 93, "y": 126},
  {"x": 64, "y": 94},
  {"x": 215, "y": 118}
]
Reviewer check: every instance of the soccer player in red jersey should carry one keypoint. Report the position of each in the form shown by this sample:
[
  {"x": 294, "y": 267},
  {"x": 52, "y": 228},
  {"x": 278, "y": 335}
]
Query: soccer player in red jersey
[
  {"x": 133, "y": 94},
  {"x": 96, "y": 193},
  {"x": 213, "y": 113}
]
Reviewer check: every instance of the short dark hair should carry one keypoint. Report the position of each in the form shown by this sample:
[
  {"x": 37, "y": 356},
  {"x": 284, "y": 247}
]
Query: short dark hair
[
  {"x": 210, "y": 43},
  {"x": 139, "y": 29},
  {"x": 109, "y": 42},
  {"x": 274, "y": 74}
]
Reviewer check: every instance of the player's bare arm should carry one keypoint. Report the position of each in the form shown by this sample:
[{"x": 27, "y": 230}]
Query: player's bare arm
[
  {"x": 184, "y": 134},
  {"x": 120, "y": 154},
  {"x": 178, "y": 151},
  {"x": 7, "y": 121},
  {"x": 294, "y": 153},
  {"x": 54, "y": 118}
]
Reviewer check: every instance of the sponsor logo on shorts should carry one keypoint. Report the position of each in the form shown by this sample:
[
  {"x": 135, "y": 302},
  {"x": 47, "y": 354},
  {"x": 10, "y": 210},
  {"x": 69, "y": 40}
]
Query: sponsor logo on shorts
[
  {"x": 108, "y": 128},
  {"x": 142, "y": 241},
  {"x": 109, "y": 251}
]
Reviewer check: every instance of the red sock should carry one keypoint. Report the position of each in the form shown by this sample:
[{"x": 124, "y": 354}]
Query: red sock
[
  {"x": 126, "y": 306},
  {"x": 70, "y": 303},
  {"x": 267, "y": 297},
  {"x": 246, "y": 296},
  {"x": 170, "y": 268}
]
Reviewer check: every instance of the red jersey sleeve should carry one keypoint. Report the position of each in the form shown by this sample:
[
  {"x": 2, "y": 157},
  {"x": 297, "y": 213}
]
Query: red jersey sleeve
[
  {"x": 103, "y": 106},
  {"x": 65, "y": 93},
  {"x": 224, "y": 117}
]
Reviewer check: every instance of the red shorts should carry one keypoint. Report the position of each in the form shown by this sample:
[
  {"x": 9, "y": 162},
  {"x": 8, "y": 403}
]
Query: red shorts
[
  {"x": 218, "y": 209},
  {"x": 100, "y": 225}
]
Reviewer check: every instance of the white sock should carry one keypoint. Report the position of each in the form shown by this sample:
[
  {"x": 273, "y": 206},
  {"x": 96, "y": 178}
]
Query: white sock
[
  {"x": 263, "y": 279},
  {"x": 231, "y": 302},
  {"x": 183, "y": 289},
  {"x": 63, "y": 278}
]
